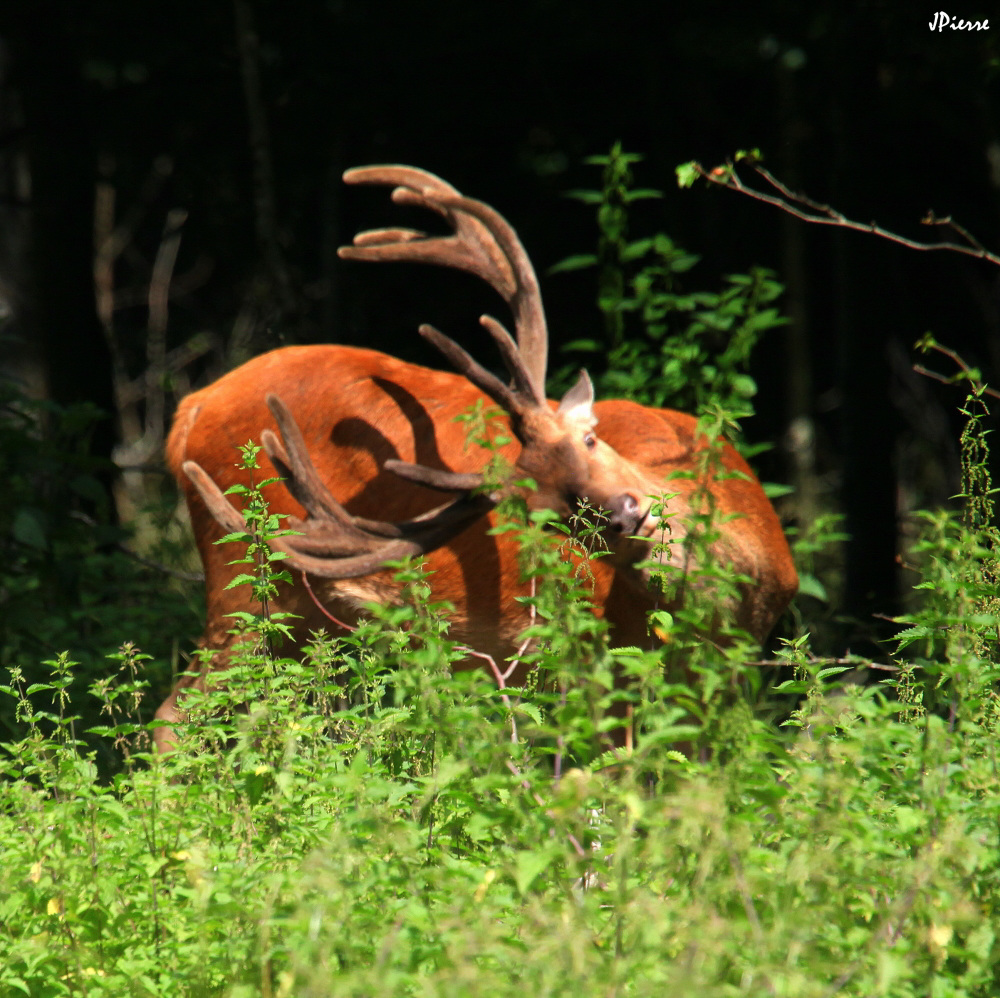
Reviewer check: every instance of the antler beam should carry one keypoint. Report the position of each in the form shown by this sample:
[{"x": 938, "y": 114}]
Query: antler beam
[
  {"x": 483, "y": 244},
  {"x": 330, "y": 542}
]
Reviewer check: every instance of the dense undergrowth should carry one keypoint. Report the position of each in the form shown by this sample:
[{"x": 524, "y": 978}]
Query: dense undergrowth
[
  {"x": 373, "y": 824},
  {"x": 361, "y": 820},
  {"x": 66, "y": 579}
]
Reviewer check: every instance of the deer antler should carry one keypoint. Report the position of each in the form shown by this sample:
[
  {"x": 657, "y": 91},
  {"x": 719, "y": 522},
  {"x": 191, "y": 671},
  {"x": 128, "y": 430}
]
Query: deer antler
[
  {"x": 483, "y": 244},
  {"x": 332, "y": 543}
]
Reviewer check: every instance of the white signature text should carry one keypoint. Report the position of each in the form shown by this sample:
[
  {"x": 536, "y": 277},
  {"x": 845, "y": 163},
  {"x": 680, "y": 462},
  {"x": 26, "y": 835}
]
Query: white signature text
[{"x": 942, "y": 20}]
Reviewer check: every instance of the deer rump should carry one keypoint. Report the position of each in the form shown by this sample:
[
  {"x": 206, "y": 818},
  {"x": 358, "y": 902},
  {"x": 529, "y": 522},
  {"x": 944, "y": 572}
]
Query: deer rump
[{"x": 352, "y": 410}]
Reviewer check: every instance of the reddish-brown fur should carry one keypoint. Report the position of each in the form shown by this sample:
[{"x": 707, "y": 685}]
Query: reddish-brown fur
[{"x": 356, "y": 408}]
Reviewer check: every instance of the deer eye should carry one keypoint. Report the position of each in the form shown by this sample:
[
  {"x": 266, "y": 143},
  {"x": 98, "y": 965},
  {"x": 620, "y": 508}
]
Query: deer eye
[{"x": 590, "y": 440}]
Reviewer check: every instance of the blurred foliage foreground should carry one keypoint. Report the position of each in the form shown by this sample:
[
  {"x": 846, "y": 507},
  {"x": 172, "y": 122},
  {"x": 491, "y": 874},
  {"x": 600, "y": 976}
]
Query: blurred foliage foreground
[{"x": 372, "y": 824}]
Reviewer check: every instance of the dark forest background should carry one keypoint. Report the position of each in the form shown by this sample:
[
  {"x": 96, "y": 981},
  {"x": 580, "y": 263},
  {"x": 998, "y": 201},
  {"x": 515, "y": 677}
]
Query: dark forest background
[{"x": 203, "y": 144}]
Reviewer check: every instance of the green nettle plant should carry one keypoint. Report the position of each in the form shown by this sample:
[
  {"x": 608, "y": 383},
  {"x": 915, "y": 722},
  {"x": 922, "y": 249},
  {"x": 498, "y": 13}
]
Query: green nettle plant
[
  {"x": 665, "y": 346},
  {"x": 65, "y": 580},
  {"x": 359, "y": 819}
]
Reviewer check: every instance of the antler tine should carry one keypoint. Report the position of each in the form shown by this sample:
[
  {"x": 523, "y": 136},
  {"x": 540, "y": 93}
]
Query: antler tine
[
  {"x": 470, "y": 248},
  {"x": 483, "y": 243},
  {"x": 526, "y": 301},
  {"x": 223, "y": 513},
  {"x": 292, "y": 461},
  {"x": 435, "y": 478},
  {"x": 505, "y": 397},
  {"x": 330, "y": 542},
  {"x": 412, "y": 246},
  {"x": 324, "y": 557},
  {"x": 400, "y": 176},
  {"x": 296, "y": 467},
  {"x": 509, "y": 350}
]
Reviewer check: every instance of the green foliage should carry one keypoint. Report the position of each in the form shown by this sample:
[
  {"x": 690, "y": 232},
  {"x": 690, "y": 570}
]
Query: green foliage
[
  {"x": 372, "y": 821},
  {"x": 952, "y": 636},
  {"x": 64, "y": 578},
  {"x": 691, "y": 348},
  {"x": 376, "y": 824},
  {"x": 261, "y": 526}
]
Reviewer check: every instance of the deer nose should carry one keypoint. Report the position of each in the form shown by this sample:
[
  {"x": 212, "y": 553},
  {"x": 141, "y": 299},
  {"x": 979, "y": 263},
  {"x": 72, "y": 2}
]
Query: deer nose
[{"x": 625, "y": 513}]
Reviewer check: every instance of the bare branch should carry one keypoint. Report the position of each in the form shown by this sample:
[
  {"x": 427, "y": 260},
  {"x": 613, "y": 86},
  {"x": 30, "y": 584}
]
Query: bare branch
[{"x": 808, "y": 210}]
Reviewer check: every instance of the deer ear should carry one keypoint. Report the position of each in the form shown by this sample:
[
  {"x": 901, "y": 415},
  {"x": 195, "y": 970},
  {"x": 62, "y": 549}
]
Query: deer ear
[{"x": 578, "y": 403}]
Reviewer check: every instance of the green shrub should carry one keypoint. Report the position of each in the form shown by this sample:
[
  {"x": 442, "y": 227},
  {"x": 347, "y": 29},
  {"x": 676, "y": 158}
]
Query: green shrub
[
  {"x": 683, "y": 349},
  {"x": 375, "y": 824},
  {"x": 65, "y": 580}
]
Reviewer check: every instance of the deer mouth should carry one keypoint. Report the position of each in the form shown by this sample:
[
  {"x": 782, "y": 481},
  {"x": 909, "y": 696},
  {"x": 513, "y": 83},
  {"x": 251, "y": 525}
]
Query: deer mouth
[
  {"x": 647, "y": 523},
  {"x": 628, "y": 516}
]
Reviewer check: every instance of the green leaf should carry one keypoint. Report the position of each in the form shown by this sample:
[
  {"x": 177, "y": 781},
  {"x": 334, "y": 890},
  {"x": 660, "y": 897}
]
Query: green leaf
[
  {"x": 774, "y": 490},
  {"x": 687, "y": 173},
  {"x": 28, "y": 528},
  {"x": 682, "y": 264},
  {"x": 530, "y": 865},
  {"x": 580, "y": 261},
  {"x": 642, "y": 194},
  {"x": 243, "y": 616},
  {"x": 587, "y": 197},
  {"x": 243, "y": 538},
  {"x": 809, "y": 585},
  {"x": 582, "y": 346},
  {"x": 637, "y": 249}
]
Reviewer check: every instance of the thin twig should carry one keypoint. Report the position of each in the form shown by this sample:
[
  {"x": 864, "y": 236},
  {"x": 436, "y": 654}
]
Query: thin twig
[
  {"x": 970, "y": 375},
  {"x": 822, "y": 214},
  {"x": 851, "y": 660},
  {"x": 322, "y": 609},
  {"x": 176, "y": 573},
  {"x": 501, "y": 678},
  {"x": 934, "y": 376},
  {"x": 525, "y": 783}
]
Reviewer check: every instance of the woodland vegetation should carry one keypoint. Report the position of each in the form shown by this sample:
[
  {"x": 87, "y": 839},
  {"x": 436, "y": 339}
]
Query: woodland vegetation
[{"x": 171, "y": 204}]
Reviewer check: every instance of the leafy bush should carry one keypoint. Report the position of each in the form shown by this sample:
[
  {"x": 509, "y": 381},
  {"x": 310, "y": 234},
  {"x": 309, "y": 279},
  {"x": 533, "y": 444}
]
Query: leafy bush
[
  {"x": 65, "y": 581},
  {"x": 691, "y": 348},
  {"x": 373, "y": 823}
]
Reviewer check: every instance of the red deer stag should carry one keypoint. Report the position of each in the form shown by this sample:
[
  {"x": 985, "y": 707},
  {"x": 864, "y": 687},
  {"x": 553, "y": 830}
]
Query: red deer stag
[{"x": 378, "y": 434}]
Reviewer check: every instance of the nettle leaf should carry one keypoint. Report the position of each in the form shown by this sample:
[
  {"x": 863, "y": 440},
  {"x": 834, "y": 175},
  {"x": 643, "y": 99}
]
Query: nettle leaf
[
  {"x": 809, "y": 585},
  {"x": 587, "y": 197},
  {"x": 637, "y": 249},
  {"x": 581, "y": 261},
  {"x": 530, "y": 865},
  {"x": 773, "y": 490},
  {"x": 583, "y": 346},
  {"x": 29, "y": 528},
  {"x": 743, "y": 385},
  {"x": 243, "y": 538},
  {"x": 642, "y": 194},
  {"x": 683, "y": 263},
  {"x": 687, "y": 173}
]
